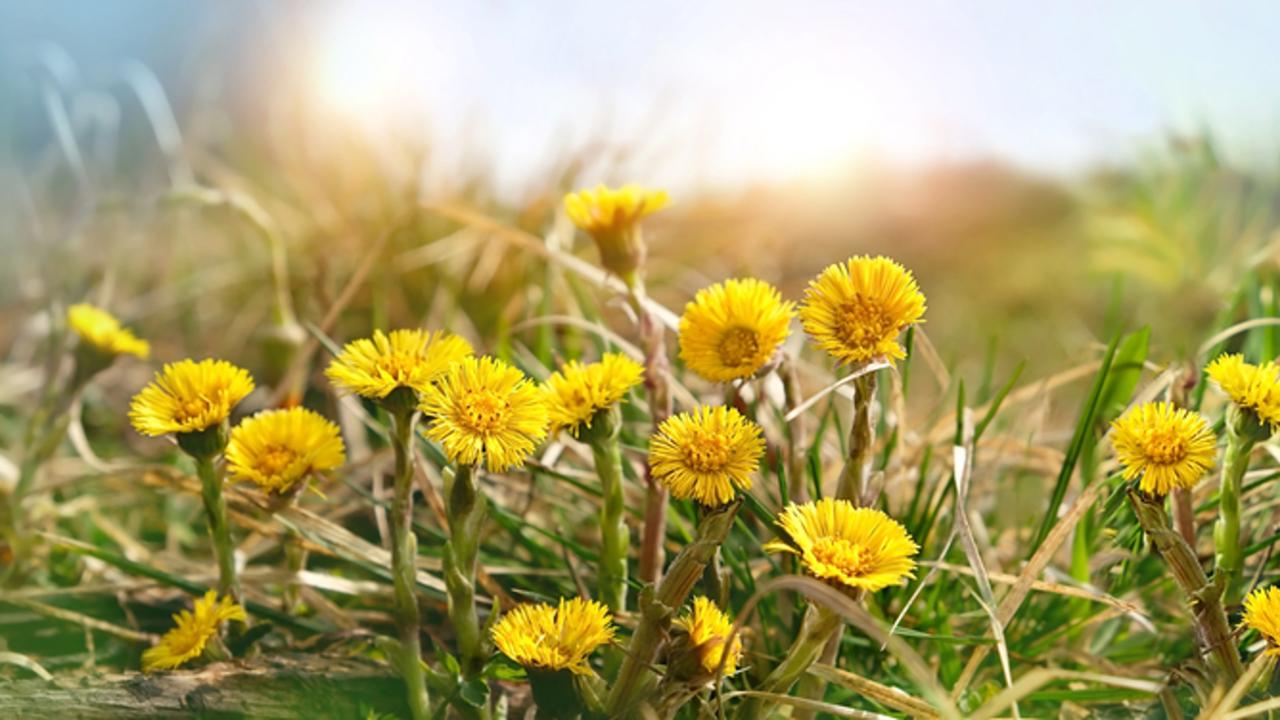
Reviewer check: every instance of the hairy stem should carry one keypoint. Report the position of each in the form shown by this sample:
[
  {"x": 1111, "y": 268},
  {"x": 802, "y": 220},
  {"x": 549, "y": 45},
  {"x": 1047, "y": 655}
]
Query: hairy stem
[
  {"x": 404, "y": 552},
  {"x": 466, "y": 509},
  {"x": 615, "y": 538},
  {"x": 1203, "y": 597},
  {"x": 853, "y": 477},
  {"x": 653, "y": 340},
  {"x": 1228, "y": 560},
  {"x": 215, "y": 508}
]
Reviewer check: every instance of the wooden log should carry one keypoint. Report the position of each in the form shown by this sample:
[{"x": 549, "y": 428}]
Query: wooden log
[{"x": 274, "y": 688}]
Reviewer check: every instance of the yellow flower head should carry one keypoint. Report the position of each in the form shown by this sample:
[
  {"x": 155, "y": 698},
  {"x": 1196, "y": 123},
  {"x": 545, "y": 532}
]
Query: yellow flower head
[
  {"x": 708, "y": 628},
  {"x": 855, "y": 310},
  {"x": 857, "y": 547},
  {"x": 191, "y": 632},
  {"x": 1255, "y": 388},
  {"x": 189, "y": 396},
  {"x": 612, "y": 218},
  {"x": 484, "y": 408},
  {"x": 1167, "y": 446},
  {"x": 1262, "y": 613},
  {"x": 554, "y": 638},
  {"x": 102, "y": 331},
  {"x": 732, "y": 329},
  {"x": 276, "y": 449},
  {"x": 374, "y": 367},
  {"x": 576, "y": 392},
  {"x": 706, "y": 455}
]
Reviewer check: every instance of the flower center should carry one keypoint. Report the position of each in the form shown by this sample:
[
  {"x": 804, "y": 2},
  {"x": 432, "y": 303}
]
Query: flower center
[
  {"x": 849, "y": 557},
  {"x": 706, "y": 452},
  {"x": 1165, "y": 446},
  {"x": 862, "y": 322},
  {"x": 484, "y": 412},
  {"x": 738, "y": 346},
  {"x": 192, "y": 409},
  {"x": 276, "y": 460},
  {"x": 398, "y": 365}
]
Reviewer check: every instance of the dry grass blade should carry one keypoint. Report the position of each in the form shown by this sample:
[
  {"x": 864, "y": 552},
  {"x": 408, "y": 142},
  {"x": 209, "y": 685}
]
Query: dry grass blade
[
  {"x": 1231, "y": 699},
  {"x": 888, "y": 696},
  {"x": 26, "y": 663},
  {"x": 807, "y": 704},
  {"x": 1234, "y": 330},
  {"x": 80, "y": 619},
  {"x": 1048, "y": 587},
  {"x": 1039, "y": 677},
  {"x": 813, "y": 399}
]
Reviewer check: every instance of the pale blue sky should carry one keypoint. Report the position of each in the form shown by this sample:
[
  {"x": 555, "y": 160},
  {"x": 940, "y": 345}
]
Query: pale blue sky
[{"x": 728, "y": 93}]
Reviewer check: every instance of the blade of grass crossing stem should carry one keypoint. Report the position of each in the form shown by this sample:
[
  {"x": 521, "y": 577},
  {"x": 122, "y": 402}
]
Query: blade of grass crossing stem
[{"x": 1084, "y": 426}]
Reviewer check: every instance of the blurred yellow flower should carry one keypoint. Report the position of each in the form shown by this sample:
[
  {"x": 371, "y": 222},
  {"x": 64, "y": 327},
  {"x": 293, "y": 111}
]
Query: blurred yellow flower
[
  {"x": 484, "y": 409},
  {"x": 855, "y": 310},
  {"x": 276, "y": 449},
  {"x": 374, "y": 367},
  {"x": 554, "y": 638},
  {"x": 1255, "y": 388},
  {"x": 612, "y": 218},
  {"x": 1262, "y": 613},
  {"x": 706, "y": 455},
  {"x": 576, "y": 392},
  {"x": 102, "y": 331},
  {"x": 1166, "y": 446},
  {"x": 733, "y": 328},
  {"x": 189, "y": 396},
  {"x": 192, "y": 632},
  {"x": 860, "y": 548},
  {"x": 708, "y": 628}
]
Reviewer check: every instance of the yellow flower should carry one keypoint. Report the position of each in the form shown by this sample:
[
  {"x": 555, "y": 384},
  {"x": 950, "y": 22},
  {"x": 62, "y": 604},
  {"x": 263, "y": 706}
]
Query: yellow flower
[
  {"x": 576, "y": 392},
  {"x": 860, "y": 548},
  {"x": 102, "y": 331},
  {"x": 1255, "y": 388},
  {"x": 854, "y": 310},
  {"x": 733, "y": 328},
  {"x": 554, "y": 638},
  {"x": 708, "y": 628},
  {"x": 1167, "y": 446},
  {"x": 612, "y": 218},
  {"x": 374, "y": 367},
  {"x": 189, "y": 396},
  {"x": 278, "y": 448},
  {"x": 484, "y": 408},
  {"x": 706, "y": 455},
  {"x": 1262, "y": 613},
  {"x": 191, "y": 632}
]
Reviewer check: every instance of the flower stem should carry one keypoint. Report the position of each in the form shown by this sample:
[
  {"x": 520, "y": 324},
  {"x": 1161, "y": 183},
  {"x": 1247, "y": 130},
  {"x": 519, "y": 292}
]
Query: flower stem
[
  {"x": 466, "y": 509},
  {"x": 1203, "y": 596},
  {"x": 820, "y": 624},
  {"x": 1228, "y": 560},
  {"x": 653, "y": 340},
  {"x": 657, "y": 607},
  {"x": 615, "y": 537},
  {"x": 404, "y": 551},
  {"x": 797, "y": 490},
  {"x": 853, "y": 477},
  {"x": 215, "y": 508}
]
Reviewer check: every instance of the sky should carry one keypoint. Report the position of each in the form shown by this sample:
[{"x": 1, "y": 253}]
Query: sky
[{"x": 728, "y": 94}]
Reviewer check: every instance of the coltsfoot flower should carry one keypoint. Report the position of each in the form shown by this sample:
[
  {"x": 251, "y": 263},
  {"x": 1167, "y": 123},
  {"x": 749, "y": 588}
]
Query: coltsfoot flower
[
  {"x": 855, "y": 310},
  {"x": 192, "y": 632},
  {"x": 484, "y": 409},
  {"x": 1262, "y": 613},
  {"x": 576, "y": 392},
  {"x": 706, "y": 455},
  {"x": 375, "y": 367},
  {"x": 612, "y": 218},
  {"x": 732, "y": 329},
  {"x": 707, "y": 628},
  {"x": 100, "y": 330},
  {"x": 1254, "y": 388},
  {"x": 189, "y": 397},
  {"x": 857, "y": 547},
  {"x": 1166, "y": 446},
  {"x": 277, "y": 449},
  {"x": 554, "y": 638}
]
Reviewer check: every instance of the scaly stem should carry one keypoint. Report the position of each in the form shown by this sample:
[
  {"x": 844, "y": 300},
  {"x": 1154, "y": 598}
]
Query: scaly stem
[
  {"x": 295, "y": 554},
  {"x": 215, "y": 508},
  {"x": 1203, "y": 597},
  {"x": 820, "y": 624},
  {"x": 615, "y": 538},
  {"x": 653, "y": 340},
  {"x": 1228, "y": 560},
  {"x": 853, "y": 477},
  {"x": 797, "y": 489},
  {"x": 404, "y": 553},
  {"x": 658, "y": 607},
  {"x": 466, "y": 509}
]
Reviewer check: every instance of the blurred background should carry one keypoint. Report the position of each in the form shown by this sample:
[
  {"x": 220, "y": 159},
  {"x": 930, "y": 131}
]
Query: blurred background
[{"x": 1051, "y": 171}]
